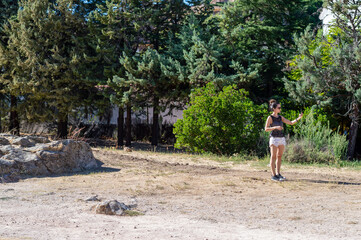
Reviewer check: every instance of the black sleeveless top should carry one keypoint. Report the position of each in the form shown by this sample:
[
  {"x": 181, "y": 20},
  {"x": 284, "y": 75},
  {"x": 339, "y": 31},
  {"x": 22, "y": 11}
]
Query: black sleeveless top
[{"x": 277, "y": 121}]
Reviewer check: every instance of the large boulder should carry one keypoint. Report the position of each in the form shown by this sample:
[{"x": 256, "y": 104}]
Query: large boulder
[{"x": 33, "y": 156}]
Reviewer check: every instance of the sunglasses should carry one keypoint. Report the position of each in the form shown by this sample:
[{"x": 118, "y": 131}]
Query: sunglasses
[{"x": 279, "y": 108}]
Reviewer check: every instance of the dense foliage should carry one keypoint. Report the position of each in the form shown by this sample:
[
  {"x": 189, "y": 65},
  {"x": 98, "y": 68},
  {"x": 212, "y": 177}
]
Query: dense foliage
[
  {"x": 315, "y": 142},
  {"x": 221, "y": 122},
  {"x": 46, "y": 54},
  {"x": 328, "y": 68}
]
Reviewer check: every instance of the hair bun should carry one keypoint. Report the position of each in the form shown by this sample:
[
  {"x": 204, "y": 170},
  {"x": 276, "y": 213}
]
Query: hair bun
[
  {"x": 272, "y": 101},
  {"x": 272, "y": 104}
]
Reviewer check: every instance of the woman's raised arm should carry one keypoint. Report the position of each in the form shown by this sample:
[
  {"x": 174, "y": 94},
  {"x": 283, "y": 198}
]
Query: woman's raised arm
[{"x": 285, "y": 120}]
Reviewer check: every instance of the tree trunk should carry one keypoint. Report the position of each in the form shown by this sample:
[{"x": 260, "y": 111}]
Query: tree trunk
[
  {"x": 63, "y": 126},
  {"x": 128, "y": 141},
  {"x": 353, "y": 131},
  {"x": 120, "y": 127},
  {"x": 14, "y": 127},
  {"x": 155, "y": 127}
]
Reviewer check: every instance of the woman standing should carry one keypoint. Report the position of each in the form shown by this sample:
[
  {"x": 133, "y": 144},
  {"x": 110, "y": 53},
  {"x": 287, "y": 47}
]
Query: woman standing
[{"x": 277, "y": 143}]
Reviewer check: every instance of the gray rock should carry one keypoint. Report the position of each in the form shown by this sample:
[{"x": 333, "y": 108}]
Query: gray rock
[
  {"x": 4, "y": 141},
  {"x": 111, "y": 207},
  {"x": 65, "y": 156},
  {"x": 23, "y": 141},
  {"x": 93, "y": 198},
  {"x": 6, "y": 135},
  {"x": 39, "y": 139},
  {"x": 36, "y": 148},
  {"x": 55, "y": 146},
  {"x": 5, "y": 149},
  {"x": 22, "y": 163}
]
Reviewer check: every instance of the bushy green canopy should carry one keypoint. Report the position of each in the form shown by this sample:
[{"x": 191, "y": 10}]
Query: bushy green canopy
[{"x": 220, "y": 122}]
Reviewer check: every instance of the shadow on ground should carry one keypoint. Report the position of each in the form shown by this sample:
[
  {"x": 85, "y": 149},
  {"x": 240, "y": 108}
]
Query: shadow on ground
[
  {"x": 100, "y": 169},
  {"x": 137, "y": 146},
  {"x": 325, "y": 182}
]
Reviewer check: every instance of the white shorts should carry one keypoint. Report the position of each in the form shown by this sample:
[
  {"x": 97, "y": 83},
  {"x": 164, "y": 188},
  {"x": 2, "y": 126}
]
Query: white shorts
[{"x": 276, "y": 141}]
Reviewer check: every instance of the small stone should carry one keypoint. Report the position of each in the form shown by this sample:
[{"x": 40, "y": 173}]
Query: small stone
[
  {"x": 93, "y": 198},
  {"x": 111, "y": 207},
  {"x": 127, "y": 149}
]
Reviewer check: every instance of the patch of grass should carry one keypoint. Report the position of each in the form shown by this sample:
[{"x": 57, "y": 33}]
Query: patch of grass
[
  {"x": 6, "y": 198},
  {"x": 132, "y": 213},
  {"x": 354, "y": 165},
  {"x": 229, "y": 184},
  {"x": 159, "y": 187},
  {"x": 253, "y": 160},
  {"x": 181, "y": 187},
  {"x": 349, "y": 164},
  {"x": 295, "y": 218}
]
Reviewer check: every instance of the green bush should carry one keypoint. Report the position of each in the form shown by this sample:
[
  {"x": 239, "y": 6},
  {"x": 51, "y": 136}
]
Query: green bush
[
  {"x": 302, "y": 151},
  {"x": 224, "y": 122},
  {"x": 315, "y": 142},
  {"x": 318, "y": 114}
]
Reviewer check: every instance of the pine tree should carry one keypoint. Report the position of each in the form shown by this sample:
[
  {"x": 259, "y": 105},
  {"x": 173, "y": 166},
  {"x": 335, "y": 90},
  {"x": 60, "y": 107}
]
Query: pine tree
[
  {"x": 8, "y": 9},
  {"x": 165, "y": 21},
  {"x": 152, "y": 22},
  {"x": 151, "y": 79},
  {"x": 259, "y": 35},
  {"x": 199, "y": 52},
  {"x": 329, "y": 66},
  {"x": 46, "y": 51},
  {"x": 165, "y": 18},
  {"x": 205, "y": 58},
  {"x": 118, "y": 26}
]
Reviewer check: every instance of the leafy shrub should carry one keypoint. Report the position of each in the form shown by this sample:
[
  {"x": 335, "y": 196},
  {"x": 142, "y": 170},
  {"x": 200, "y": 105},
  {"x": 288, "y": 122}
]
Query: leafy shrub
[
  {"x": 318, "y": 114},
  {"x": 315, "y": 142},
  {"x": 302, "y": 151},
  {"x": 224, "y": 122}
]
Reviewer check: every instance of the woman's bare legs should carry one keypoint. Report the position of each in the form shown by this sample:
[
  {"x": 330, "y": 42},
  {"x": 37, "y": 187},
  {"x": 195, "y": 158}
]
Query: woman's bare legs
[
  {"x": 273, "y": 159},
  {"x": 280, "y": 150}
]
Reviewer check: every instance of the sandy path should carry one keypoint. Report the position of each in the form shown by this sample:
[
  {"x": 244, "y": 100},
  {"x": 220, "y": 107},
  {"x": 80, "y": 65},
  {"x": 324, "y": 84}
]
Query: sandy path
[{"x": 184, "y": 197}]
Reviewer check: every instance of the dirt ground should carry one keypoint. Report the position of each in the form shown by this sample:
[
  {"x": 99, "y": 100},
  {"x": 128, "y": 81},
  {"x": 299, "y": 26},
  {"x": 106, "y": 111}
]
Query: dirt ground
[{"x": 184, "y": 197}]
